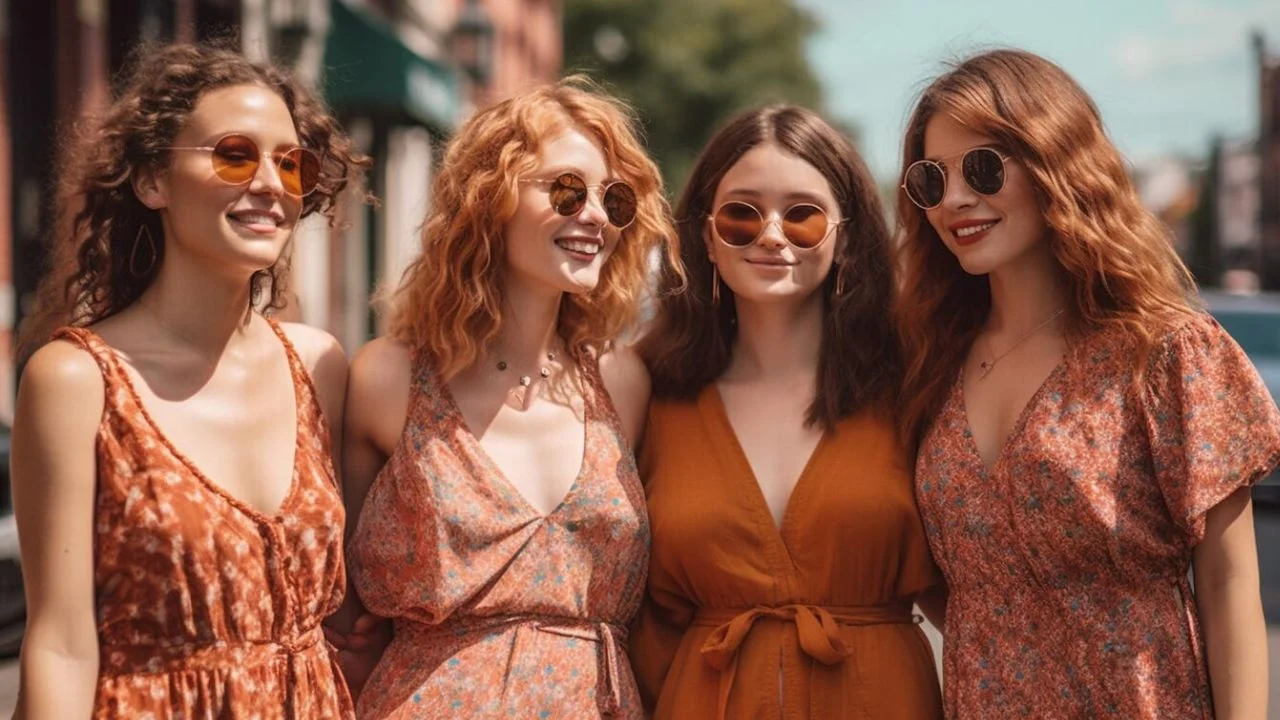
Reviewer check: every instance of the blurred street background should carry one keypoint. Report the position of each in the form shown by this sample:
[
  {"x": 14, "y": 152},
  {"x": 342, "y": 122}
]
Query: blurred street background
[{"x": 1189, "y": 89}]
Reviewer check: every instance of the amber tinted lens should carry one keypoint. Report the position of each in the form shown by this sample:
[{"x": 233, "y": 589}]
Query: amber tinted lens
[
  {"x": 299, "y": 170},
  {"x": 925, "y": 184},
  {"x": 805, "y": 226},
  {"x": 568, "y": 194},
  {"x": 984, "y": 170},
  {"x": 738, "y": 224},
  {"x": 235, "y": 159},
  {"x": 620, "y": 204}
]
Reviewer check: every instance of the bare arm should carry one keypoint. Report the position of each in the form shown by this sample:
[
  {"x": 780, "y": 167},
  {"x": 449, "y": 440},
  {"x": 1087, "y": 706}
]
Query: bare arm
[
  {"x": 54, "y": 463},
  {"x": 627, "y": 380},
  {"x": 1229, "y": 600},
  {"x": 377, "y": 405},
  {"x": 327, "y": 365}
]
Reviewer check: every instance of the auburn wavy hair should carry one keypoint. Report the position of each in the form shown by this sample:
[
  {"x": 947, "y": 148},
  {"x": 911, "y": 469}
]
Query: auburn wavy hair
[
  {"x": 98, "y": 217},
  {"x": 449, "y": 300},
  {"x": 689, "y": 343},
  {"x": 1118, "y": 260}
]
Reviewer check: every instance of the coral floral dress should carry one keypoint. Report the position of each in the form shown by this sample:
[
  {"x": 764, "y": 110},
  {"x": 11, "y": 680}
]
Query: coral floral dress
[
  {"x": 500, "y": 611},
  {"x": 1068, "y": 559},
  {"x": 207, "y": 608}
]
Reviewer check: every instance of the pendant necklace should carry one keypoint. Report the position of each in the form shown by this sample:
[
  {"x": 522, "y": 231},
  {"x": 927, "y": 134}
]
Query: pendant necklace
[{"x": 986, "y": 366}]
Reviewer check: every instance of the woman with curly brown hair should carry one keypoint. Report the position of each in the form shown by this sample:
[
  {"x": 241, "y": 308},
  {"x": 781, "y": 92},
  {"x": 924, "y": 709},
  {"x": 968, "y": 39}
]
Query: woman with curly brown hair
[
  {"x": 1086, "y": 433},
  {"x": 499, "y": 520},
  {"x": 787, "y": 550},
  {"x": 180, "y": 523}
]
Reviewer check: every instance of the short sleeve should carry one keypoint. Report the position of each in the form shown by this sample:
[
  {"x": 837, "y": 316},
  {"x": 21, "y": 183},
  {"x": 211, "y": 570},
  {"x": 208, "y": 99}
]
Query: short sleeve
[{"x": 1212, "y": 425}]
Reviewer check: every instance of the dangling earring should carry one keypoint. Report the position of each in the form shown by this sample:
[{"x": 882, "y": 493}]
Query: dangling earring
[
  {"x": 839, "y": 280},
  {"x": 133, "y": 256},
  {"x": 715, "y": 285}
]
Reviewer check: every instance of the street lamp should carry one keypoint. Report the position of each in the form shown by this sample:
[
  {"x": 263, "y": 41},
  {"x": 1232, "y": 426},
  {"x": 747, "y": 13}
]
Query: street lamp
[{"x": 472, "y": 42}]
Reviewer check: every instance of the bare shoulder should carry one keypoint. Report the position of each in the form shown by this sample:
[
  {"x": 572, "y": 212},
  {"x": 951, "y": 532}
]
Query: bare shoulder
[
  {"x": 380, "y": 371},
  {"x": 61, "y": 393},
  {"x": 627, "y": 381},
  {"x": 63, "y": 371},
  {"x": 313, "y": 345}
]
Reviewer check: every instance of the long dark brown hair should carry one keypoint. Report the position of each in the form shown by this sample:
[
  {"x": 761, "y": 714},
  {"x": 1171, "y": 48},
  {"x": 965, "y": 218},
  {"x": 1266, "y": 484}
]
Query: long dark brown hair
[
  {"x": 1118, "y": 260},
  {"x": 689, "y": 343},
  {"x": 98, "y": 218}
]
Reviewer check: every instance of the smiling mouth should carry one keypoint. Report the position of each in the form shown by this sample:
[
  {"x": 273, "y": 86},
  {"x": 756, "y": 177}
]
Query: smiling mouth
[
  {"x": 971, "y": 230},
  {"x": 259, "y": 222},
  {"x": 585, "y": 248}
]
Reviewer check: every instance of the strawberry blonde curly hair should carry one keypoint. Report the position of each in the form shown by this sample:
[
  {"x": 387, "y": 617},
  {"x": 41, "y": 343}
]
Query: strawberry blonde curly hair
[
  {"x": 1118, "y": 260},
  {"x": 449, "y": 301},
  {"x": 97, "y": 215}
]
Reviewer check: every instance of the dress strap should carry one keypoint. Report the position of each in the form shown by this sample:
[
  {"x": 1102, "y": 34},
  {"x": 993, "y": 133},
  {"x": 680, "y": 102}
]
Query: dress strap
[{"x": 119, "y": 394}]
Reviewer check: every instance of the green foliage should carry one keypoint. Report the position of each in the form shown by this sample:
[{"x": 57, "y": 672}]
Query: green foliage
[{"x": 688, "y": 65}]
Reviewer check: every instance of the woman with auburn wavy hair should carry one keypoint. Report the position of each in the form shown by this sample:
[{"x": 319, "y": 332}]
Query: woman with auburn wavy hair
[
  {"x": 180, "y": 522},
  {"x": 1086, "y": 433},
  {"x": 500, "y": 521},
  {"x": 787, "y": 550}
]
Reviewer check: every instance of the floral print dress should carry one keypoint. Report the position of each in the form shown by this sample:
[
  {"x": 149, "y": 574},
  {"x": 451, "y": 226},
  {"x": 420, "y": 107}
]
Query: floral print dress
[
  {"x": 206, "y": 607},
  {"x": 498, "y": 610},
  {"x": 1068, "y": 560}
]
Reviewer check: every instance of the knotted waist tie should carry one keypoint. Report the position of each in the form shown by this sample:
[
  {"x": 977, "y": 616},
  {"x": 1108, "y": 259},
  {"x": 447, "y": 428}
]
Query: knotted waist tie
[
  {"x": 817, "y": 629},
  {"x": 612, "y": 638}
]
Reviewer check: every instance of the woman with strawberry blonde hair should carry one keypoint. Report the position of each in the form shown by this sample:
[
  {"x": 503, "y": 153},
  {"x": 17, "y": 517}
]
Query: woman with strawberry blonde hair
[
  {"x": 1086, "y": 432},
  {"x": 499, "y": 520}
]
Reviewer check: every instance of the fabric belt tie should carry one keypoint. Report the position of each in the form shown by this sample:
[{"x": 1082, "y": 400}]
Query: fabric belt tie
[
  {"x": 612, "y": 638},
  {"x": 817, "y": 630}
]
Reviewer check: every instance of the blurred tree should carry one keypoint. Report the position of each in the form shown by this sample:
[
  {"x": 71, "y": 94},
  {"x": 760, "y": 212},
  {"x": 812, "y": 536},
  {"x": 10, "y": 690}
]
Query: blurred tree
[
  {"x": 688, "y": 65},
  {"x": 1205, "y": 256}
]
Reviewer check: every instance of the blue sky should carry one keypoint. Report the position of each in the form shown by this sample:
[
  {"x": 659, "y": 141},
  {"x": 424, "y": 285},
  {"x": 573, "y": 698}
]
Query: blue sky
[{"x": 1166, "y": 74}]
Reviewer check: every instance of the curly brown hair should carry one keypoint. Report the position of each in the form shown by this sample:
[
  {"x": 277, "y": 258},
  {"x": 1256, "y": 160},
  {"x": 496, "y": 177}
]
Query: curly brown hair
[
  {"x": 449, "y": 300},
  {"x": 98, "y": 218},
  {"x": 1118, "y": 259},
  {"x": 689, "y": 342}
]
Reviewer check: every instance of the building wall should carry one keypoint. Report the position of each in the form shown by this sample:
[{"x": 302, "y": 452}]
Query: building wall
[{"x": 528, "y": 46}]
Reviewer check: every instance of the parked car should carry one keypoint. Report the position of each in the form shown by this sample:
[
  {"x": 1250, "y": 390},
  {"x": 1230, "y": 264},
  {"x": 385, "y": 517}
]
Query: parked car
[{"x": 1254, "y": 322}]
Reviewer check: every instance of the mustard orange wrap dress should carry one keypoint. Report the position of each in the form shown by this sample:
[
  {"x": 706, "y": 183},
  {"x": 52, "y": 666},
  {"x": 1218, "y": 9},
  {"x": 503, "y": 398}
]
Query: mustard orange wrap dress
[
  {"x": 1067, "y": 560},
  {"x": 206, "y": 607},
  {"x": 499, "y": 611},
  {"x": 814, "y": 621}
]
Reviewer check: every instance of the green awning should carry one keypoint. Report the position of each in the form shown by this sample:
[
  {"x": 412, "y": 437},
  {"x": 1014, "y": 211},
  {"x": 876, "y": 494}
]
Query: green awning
[{"x": 368, "y": 69}]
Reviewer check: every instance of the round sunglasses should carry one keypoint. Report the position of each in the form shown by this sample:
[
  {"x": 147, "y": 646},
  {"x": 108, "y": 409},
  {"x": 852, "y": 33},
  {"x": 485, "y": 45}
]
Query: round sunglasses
[
  {"x": 925, "y": 181},
  {"x": 568, "y": 194},
  {"x": 236, "y": 159},
  {"x": 739, "y": 224}
]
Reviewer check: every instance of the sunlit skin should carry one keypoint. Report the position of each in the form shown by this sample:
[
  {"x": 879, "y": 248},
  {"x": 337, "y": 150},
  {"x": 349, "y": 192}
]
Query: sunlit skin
[
  {"x": 535, "y": 437},
  {"x": 769, "y": 383},
  {"x": 212, "y": 375},
  {"x": 540, "y": 241},
  {"x": 1028, "y": 288}
]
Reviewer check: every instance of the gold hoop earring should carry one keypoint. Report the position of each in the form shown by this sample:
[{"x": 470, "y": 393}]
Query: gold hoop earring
[
  {"x": 133, "y": 256},
  {"x": 715, "y": 285}
]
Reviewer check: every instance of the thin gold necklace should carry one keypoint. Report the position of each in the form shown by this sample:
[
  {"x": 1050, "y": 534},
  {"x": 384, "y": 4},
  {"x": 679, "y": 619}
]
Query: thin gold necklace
[{"x": 986, "y": 366}]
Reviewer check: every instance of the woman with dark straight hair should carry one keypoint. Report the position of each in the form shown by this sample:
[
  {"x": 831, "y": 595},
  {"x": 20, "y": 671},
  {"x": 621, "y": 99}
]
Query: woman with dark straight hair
[
  {"x": 1087, "y": 434},
  {"x": 787, "y": 550}
]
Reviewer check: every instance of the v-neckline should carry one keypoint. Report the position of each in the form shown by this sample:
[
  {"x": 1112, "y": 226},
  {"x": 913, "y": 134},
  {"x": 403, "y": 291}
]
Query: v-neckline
[
  {"x": 216, "y": 488},
  {"x": 712, "y": 403},
  {"x": 1019, "y": 424},
  {"x": 451, "y": 405}
]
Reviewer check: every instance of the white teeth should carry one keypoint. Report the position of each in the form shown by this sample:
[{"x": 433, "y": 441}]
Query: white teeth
[
  {"x": 579, "y": 246},
  {"x": 250, "y": 218},
  {"x": 974, "y": 229}
]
